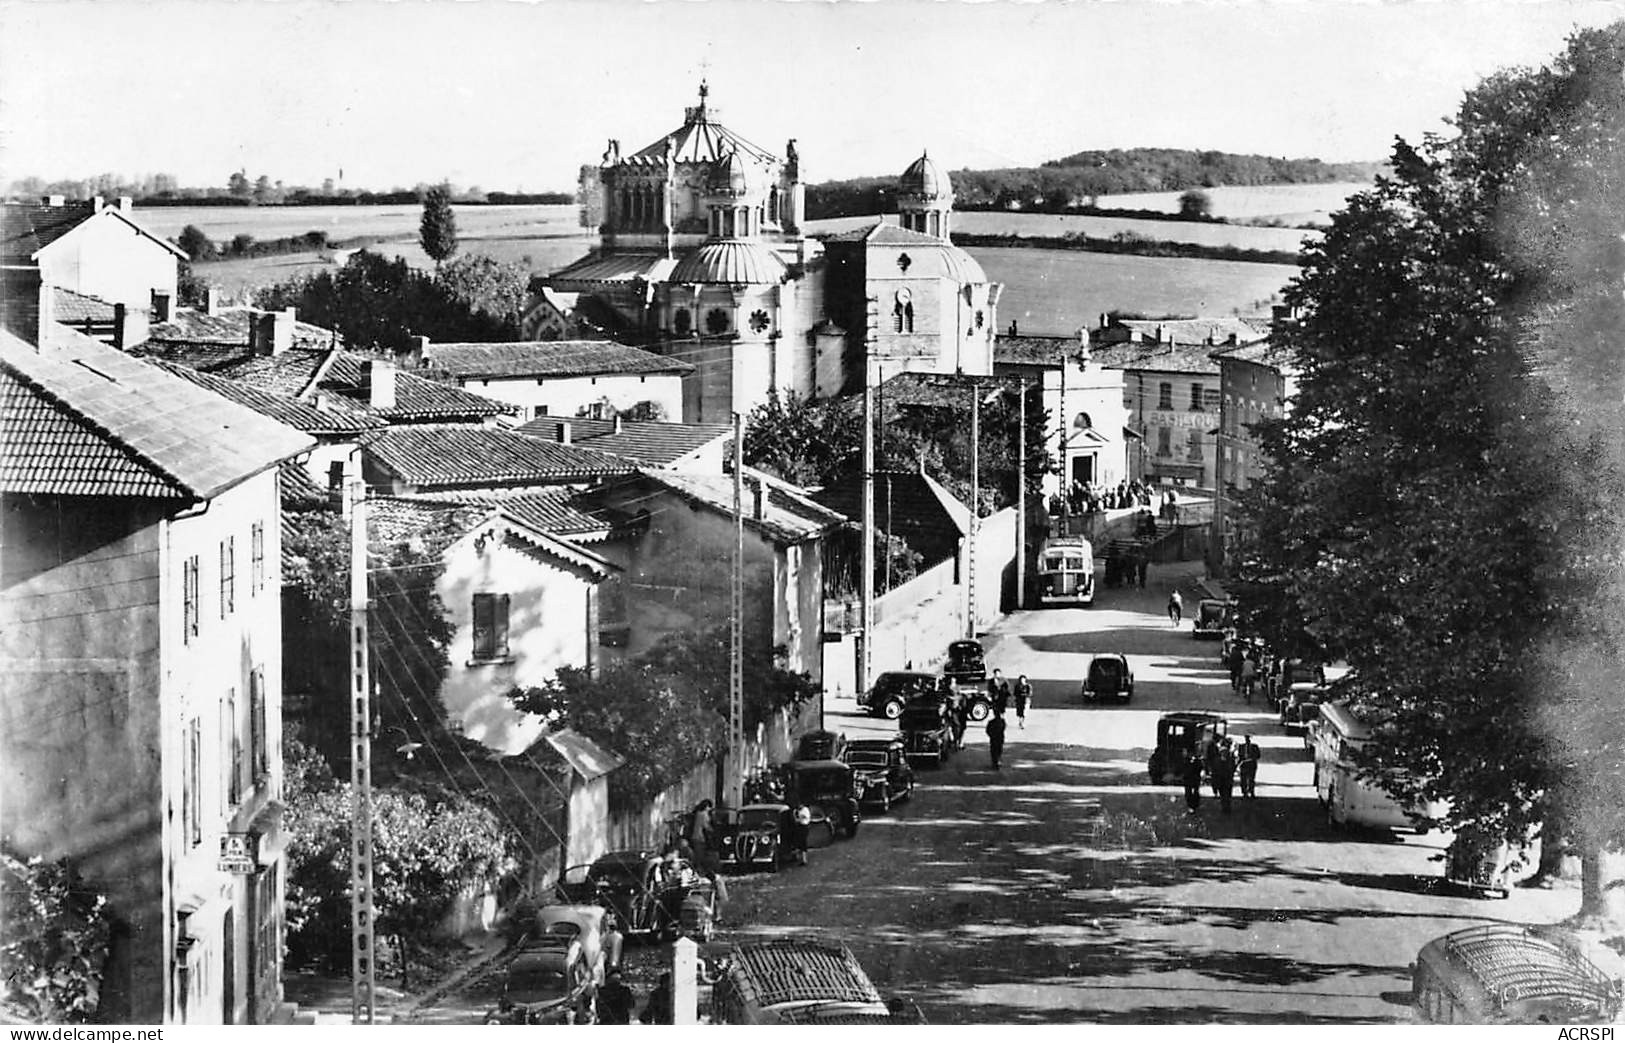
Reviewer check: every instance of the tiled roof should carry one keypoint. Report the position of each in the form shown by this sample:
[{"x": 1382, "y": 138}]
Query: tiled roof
[
  {"x": 556, "y": 358},
  {"x": 560, "y": 511},
  {"x": 616, "y": 267},
  {"x": 1215, "y": 330},
  {"x": 230, "y": 326},
  {"x": 300, "y": 492},
  {"x": 292, "y": 372},
  {"x": 733, "y": 261},
  {"x": 699, "y": 140},
  {"x": 789, "y": 515},
  {"x": 417, "y": 398},
  {"x": 1036, "y": 351},
  {"x": 430, "y": 456},
  {"x": 653, "y": 442},
  {"x": 1155, "y": 358},
  {"x": 292, "y": 411},
  {"x": 943, "y": 390},
  {"x": 73, "y": 308},
  {"x": 955, "y": 263},
  {"x": 85, "y": 420},
  {"x": 27, "y": 228},
  {"x": 434, "y": 525},
  {"x": 1262, "y": 352}
]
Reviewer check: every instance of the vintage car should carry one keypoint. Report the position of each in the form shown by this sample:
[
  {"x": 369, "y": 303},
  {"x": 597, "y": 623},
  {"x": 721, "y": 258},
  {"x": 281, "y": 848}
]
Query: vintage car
[
  {"x": 651, "y": 896},
  {"x": 928, "y": 737},
  {"x": 548, "y": 983},
  {"x": 882, "y": 769},
  {"x": 828, "y": 785},
  {"x": 820, "y": 746},
  {"x": 801, "y": 982},
  {"x": 1211, "y": 619},
  {"x": 582, "y": 924},
  {"x": 1296, "y": 671},
  {"x": 756, "y": 836},
  {"x": 1301, "y": 707},
  {"x": 1509, "y": 974},
  {"x": 892, "y": 690},
  {"x": 1178, "y": 735},
  {"x": 1490, "y": 865},
  {"x": 1109, "y": 677},
  {"x": 966, "y": 663}
]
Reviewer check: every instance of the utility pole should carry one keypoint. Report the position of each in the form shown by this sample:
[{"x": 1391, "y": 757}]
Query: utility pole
[
  {"x": 363, "y": 993},
  {"x": 1021, "y": 497},
  {"x": 975, "y": 499},
  {"x": 866, "y": 567},
  {"x": 736, "y": 658}
]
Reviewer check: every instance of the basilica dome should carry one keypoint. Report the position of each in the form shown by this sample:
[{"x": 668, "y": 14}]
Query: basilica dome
[
  {"x": 735, "y": 261},
  {"x": 729, "y": 176},
  {"x": 922, "y": 178}
]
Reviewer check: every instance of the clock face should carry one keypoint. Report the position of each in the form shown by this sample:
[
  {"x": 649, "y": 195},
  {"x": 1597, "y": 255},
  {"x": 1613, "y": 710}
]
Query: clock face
[{"x": 904, "y": 296}]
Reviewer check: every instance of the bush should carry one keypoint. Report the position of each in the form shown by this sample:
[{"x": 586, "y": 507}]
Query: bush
[
  {"x": 197, "y": 245},
  {"x": 54, "y": 938}
]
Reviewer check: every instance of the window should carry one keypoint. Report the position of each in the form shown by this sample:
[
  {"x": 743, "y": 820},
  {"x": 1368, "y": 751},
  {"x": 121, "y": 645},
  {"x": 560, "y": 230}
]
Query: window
[
  {"x": 903, "y": 262},
  {"x": 256, "y": 542},
  {"x": 232, "y": 746},
  {"x": 981, "y": 319},
  {"x": 189, "y": 598},
  {"x": 716, "y": 321},
  {"x": 682, "y": 323},
  {"x": 228, "y": 576},
  {"x": 1083, "y": 422},
  {"x": 259, "y": 753},
  {"x": 1196, "y": 398},
  {"x": 192, "y": 790},
  {"x": 490, "y": 626},
  {"x": 758, "y": 320},
  {"x": 1165, "y": 396},
  {"x": 1163, "y": 448}
]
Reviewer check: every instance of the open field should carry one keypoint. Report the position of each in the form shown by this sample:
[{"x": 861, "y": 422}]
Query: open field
[
  {"x": 1290, "y": 204},
  {"x": 1046, "y": 291},
  {"x": 989, "y": 222}
]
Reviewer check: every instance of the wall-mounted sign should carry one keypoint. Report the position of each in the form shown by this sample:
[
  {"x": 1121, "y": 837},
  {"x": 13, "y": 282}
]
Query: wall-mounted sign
[{"x": 239, "y": 853}]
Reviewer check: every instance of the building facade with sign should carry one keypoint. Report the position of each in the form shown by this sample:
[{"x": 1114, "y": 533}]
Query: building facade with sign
[
  {"x": 705, "y": 258},
  {"x": 140, "y": 733},
  {"x": 1256, "y": 382}
]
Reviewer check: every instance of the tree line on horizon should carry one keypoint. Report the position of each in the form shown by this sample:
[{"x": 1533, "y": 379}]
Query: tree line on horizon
[{"x": 240, "y": 190}]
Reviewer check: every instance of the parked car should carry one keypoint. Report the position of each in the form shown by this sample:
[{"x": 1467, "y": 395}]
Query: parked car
[
  {"x": 1301, "y": 707},
  {"x": 1510, "y": 974},
  {"x": 828, "y": 785},
  {"x": 648, "y": 893},
  {"x": 928, "y": 737},
  {"x": 547, "y": 983},
  {"x": 882, "y": 769},
  {"x": 892, "y": 691},
  {"x": 966, "y": 664},
  {"x": 797, "y": 982},
  {"x": 820, "y": 746},
  {"x": 756, "y": 836},
  {"x": 1296, "y": 671},
  {"x": 582, "y": 924},
  {"x": 1178, "y": 735},
  {"x": 1211, "y": 618},
  {"x": 1109, "y": 677},
  {"x": 1484, "y": 864}
]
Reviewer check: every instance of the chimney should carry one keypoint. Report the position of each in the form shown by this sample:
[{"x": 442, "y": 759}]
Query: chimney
[
  {"x": 378, "y": 381},
  {"x": 1159, "y": 333},
  {"x": 1104, "y": 320},
  {"x": 1233, "y": 340},
  {"x": 125, "y": 204},
  {"x": 29, "y": 303},
  {"x": 96, "y": 204},
  {"x": 211, "y": 300},
  {"x": 163, "y": 306},
  {"x": 270, "y": 332},
  {"x": 55, "y": 200},
  {"x": 758, "y": 496},
  {"x": 129, "y": 327},
  {"x": 564, "y": 432},
  {"x": 412, "y": 357},
  {"x": 617, "y": 429}
]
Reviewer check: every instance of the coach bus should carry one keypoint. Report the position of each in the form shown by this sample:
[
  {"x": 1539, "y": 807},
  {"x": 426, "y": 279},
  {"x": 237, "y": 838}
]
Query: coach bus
[
  {"x": 1348, "y": 798},
  {"x": 1066, "y": 571}
]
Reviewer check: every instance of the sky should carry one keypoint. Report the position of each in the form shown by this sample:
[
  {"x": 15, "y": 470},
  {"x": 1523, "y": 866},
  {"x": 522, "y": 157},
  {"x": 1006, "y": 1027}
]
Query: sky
[{"x": 512, "y": 95}]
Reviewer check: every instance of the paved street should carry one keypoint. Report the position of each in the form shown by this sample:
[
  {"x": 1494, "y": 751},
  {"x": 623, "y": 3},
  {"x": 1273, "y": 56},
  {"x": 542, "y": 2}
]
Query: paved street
[{"x": 999, "y": 897}]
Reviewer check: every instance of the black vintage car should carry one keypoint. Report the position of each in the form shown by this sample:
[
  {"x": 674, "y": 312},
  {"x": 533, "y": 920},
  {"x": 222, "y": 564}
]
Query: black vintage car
[
  {"x": 820, "y": 746},
  {"x": 882, "y": 769},
  {"x": 548, "y": 983},
  {"x": 1109, "y": 677},
  {"x": 1212, "y": 618},
  {"x": 892, "y": 690},
  {"x": 1178, "y": 735},
  {"x": 928, "y": 737},
  {"x": 756, "y": 836},
  {"x": 967, "y": 663},
  {"x": 829, "y": 785},
  {"x": 1301, "y": 705},
  {"x": 650, "y": 895}
]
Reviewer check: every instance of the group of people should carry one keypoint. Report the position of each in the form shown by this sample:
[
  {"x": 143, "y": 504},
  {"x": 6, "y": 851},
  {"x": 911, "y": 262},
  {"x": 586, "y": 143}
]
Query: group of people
[
  {"x": 1000, "y": 696},
  {"x": 1084, "y": 498},
  {"x": 1245, "y": 662},
  {"x": 1221, "y": 762},
  {"x": 618, "y": 1002}
]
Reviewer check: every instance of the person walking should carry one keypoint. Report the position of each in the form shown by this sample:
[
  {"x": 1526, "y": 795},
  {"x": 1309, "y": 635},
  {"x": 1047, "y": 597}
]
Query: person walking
[
  {"x": 995, "y": 737},
  {"x": 660, "y": 1008},
  {"x": 800, "y": 827},
  {"x": 615, "y": 1000},
  {"x": 1224, "y": 774},
  {"x": 1192, "y": 777},
  {"x": 998, "y": 692},
  {"x": 1247, "y": 757},
  {"x": 1176, "y": 607},
  {"x": 1024, "y": 697},
  {"x": 1249, "y": 674},
  {"x": 1141, "y": 563},
  {"x": 614, "y": 943}
]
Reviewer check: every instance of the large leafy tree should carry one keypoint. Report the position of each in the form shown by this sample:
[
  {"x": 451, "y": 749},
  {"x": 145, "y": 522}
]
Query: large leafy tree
[
  {"x": 1443, "y": 510},
  {"x": 55, "y": 935},
  {"x": 438, "y": 229}
]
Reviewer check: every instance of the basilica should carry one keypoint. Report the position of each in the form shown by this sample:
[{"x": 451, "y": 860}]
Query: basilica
[{"x": 706, "y": 257}]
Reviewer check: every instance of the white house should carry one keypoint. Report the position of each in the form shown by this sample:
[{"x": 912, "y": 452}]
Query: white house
[
  {"x": 590, "y": 378},
  {"x": 91, "y": 248}
]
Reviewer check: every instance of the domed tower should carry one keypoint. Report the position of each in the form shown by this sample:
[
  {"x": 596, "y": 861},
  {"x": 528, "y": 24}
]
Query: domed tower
[
  {"x": 925, "y": 198},
  {"x": 733, "y": 199}
]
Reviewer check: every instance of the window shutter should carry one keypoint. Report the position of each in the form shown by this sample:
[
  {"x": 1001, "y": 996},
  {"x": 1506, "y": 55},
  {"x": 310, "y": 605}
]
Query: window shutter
[
  {"x": 482, "y": 626},
  {"x": 499, "y": 625}
]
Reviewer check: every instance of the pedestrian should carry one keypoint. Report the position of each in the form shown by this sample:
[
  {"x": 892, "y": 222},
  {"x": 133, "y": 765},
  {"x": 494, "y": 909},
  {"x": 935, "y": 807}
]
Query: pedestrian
[
  {"x": 998, "y": 692},
  {"x": 1249, "y": 674},
  {"x": 660, "y": 1006},
  {"x": 995, "y": 737},
  {"x": 1024, "y": 697},
  {"x": 800, "y": 827},
  {"x": 1192, "y": 777},
  {"x": 1140, "y": 565},
  {"x": 1176, "y": 607},
  {"x": 699, "y": 830},
  {"x": 1232, "y": 659},
  {"x": 1247, "y": 761},
  {"x": 616, "y": 1001},
  {"x": 1225, "y": 774},
  {"x": 614, "y": 942}
]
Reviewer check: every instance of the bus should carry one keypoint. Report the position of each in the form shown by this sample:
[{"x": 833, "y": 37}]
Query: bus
[
  {"x": 1348, "y": 799},
  {"x": 1066, "y": 571}
]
